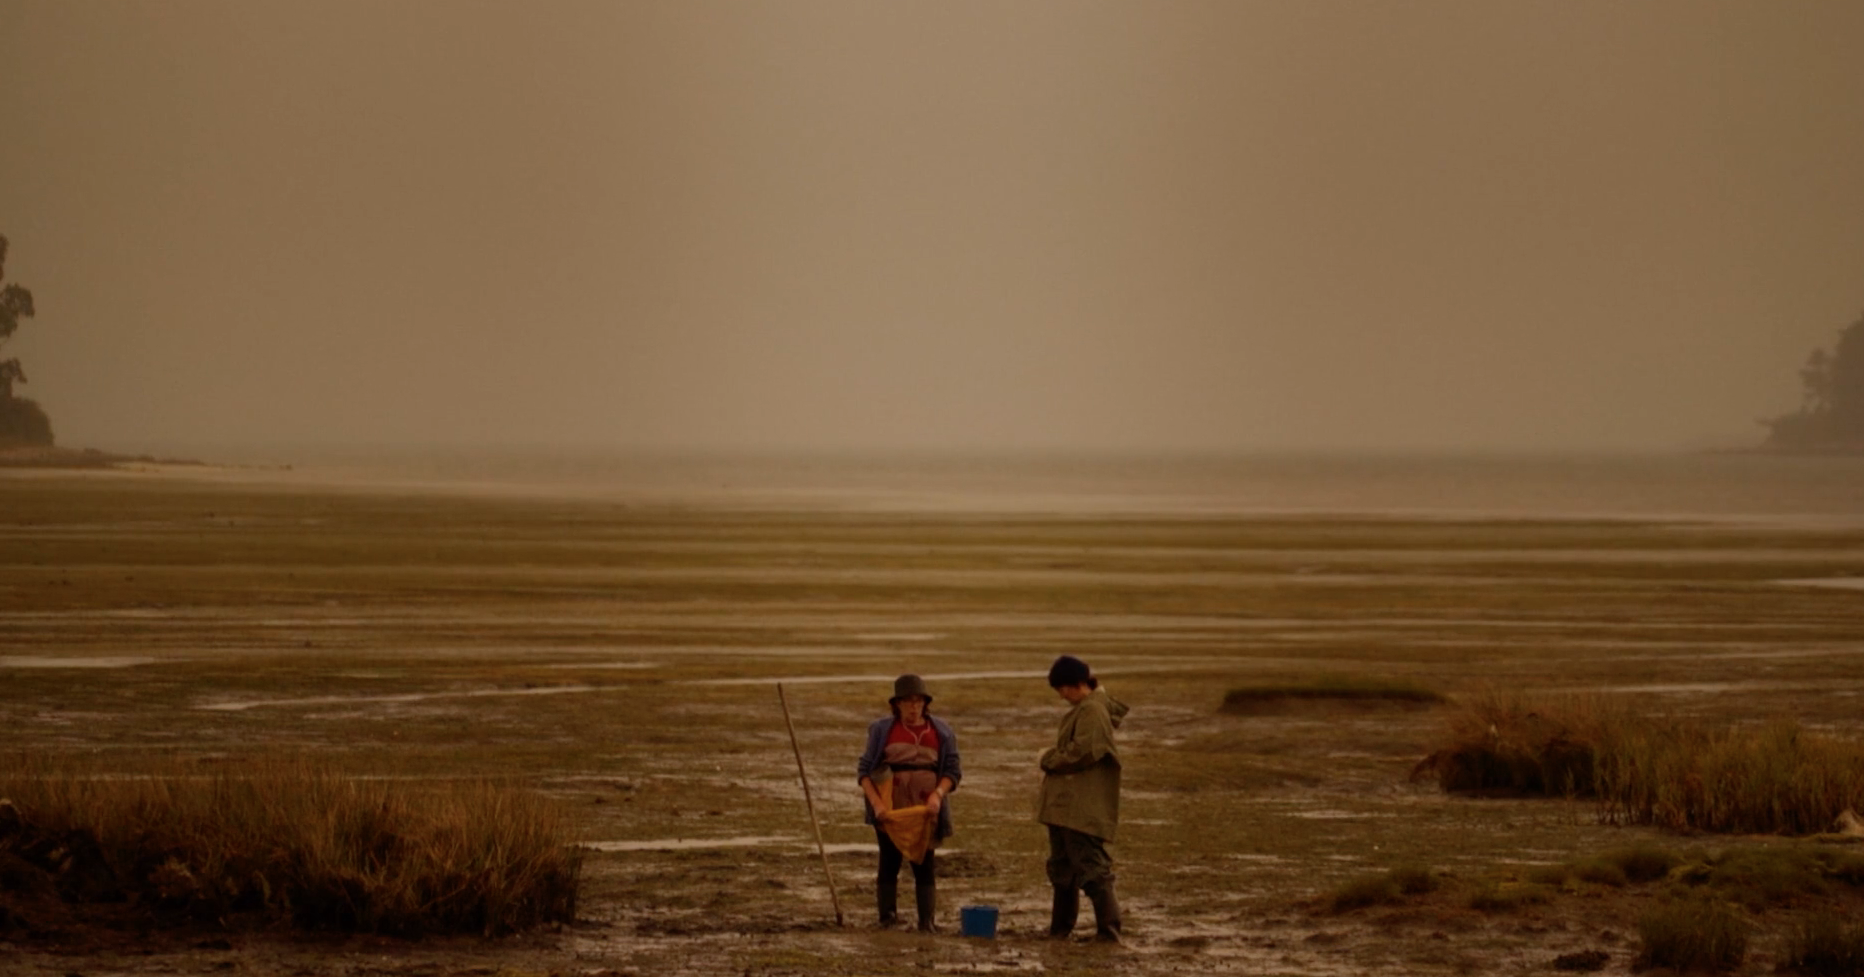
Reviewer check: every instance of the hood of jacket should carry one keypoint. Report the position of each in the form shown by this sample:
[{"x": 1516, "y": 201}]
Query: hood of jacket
[{"x": 1116, "y": 710}]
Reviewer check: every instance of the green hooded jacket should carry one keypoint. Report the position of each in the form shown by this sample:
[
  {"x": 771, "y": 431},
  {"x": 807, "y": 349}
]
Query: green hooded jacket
[{"x": 1081, "y": 775}]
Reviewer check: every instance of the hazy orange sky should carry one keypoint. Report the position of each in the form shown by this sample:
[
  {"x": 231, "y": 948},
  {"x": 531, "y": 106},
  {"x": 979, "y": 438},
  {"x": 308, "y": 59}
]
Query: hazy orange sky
[{"x": 1221, "y": 225}]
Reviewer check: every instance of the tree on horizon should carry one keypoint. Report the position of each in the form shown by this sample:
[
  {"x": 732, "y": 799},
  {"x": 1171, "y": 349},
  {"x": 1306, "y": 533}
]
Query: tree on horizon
[
  {"x": 1831, "y": 409},
  {"x": 21, "y": 420}
]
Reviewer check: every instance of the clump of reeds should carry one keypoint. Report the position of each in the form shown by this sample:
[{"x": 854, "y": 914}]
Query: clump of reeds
[
  {"x": 1693, "y": 934},
  {"x": 1354, "y": 690},
  {"x": 1825, "y": 944},
  {"x": 1501, "y": 742},
  {"x": 1674, "y": 774},
  {"x": 289, "y": 841},
  {"x": 1777, "y": 778}
]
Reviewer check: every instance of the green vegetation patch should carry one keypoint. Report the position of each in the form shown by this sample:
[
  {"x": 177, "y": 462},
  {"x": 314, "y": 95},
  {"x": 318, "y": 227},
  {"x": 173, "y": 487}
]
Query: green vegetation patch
[
  {"x": 1359, "y": 691},
  {"x": 1381, "y": 889},
  {"x": 1501, "y": 897}
]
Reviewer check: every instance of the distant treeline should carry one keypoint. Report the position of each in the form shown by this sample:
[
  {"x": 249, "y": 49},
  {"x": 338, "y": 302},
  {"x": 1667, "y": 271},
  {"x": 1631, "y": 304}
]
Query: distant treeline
[
  {"x": 1831, "y": 412},
  {"x": 21, "y": 420}
]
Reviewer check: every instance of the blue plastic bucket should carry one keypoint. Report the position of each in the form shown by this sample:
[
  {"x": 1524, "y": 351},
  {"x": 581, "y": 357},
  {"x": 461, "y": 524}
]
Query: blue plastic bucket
[{"x": 979, "y": 921}]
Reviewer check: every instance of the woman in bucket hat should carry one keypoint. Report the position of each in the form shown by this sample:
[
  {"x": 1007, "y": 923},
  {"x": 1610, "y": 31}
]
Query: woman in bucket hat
[{"x": 908, "y": 769}]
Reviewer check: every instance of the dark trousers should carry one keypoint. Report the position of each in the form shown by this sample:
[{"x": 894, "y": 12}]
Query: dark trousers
[
  {"x": 1077, "y": 860},
  {"x": 891, "y": 858}
]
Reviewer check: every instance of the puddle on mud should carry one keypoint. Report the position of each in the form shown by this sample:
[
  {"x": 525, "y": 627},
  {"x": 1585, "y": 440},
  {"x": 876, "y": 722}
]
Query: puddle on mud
[{"x": 107, "y": 661}]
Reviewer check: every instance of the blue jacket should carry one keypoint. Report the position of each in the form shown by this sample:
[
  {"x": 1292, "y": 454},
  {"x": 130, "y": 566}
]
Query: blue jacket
[{"x": 947, "y": 764}]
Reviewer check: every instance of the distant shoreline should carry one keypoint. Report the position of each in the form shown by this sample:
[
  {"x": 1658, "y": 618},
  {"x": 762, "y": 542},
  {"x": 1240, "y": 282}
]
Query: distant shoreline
[
  {"x": 37, "y": 456},
  {"x": 1847, "y": 450},
  {"x": 1758, "y": 487}
]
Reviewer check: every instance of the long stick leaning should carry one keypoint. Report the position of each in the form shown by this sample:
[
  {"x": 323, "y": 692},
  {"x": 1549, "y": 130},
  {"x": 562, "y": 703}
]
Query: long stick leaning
[{"x": 813, "y": 823}]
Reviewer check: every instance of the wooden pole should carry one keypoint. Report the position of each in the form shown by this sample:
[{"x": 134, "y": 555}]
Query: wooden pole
[{"x": 813, "y": 823}]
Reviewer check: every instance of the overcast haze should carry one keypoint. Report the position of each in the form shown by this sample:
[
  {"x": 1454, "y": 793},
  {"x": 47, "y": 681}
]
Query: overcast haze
[{"x": 1169, "y": 226}]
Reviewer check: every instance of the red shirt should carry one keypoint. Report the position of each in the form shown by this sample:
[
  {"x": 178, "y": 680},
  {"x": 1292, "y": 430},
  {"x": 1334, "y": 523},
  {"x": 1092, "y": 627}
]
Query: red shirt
[{"x": 926, "y": 735}]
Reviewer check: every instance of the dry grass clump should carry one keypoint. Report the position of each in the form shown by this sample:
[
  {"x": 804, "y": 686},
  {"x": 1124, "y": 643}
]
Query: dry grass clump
[
  {"x": 1693, "y": 934},
  {"x": 1825, "y": 944},
  {"x": 1775, "y": 779},
  {"x": 1502, "y": 742},
  {"x": 1355, "y": 690},
  {"x": 288, "y": 842}
]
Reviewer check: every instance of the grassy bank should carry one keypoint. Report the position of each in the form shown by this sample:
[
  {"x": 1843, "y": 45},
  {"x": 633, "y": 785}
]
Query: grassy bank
[{"x": 279, "y": 842}]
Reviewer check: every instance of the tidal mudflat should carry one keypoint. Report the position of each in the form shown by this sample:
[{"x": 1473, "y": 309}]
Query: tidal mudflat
[{"x": 623, "y": 658}]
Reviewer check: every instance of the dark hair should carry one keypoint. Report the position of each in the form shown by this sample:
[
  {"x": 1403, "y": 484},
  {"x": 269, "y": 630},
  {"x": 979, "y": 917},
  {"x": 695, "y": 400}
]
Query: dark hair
[{"x": 1069, "y": 670}]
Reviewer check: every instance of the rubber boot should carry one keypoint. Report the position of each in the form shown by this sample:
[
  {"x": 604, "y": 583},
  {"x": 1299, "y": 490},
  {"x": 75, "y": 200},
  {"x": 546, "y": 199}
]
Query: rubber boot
[
  {"x": 926, "y": 894},
  {"x": 1106, "y": 912},
  {"x": 887, "y": 895},
  {"x": 1067, "y": 908}
]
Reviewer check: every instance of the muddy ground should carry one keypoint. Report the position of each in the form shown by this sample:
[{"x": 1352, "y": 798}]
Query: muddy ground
[{"x": 623, "y": 658}]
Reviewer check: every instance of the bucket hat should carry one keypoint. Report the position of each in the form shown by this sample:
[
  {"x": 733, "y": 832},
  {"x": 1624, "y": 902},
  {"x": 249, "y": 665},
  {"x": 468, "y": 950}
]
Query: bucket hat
[{"x": 907, "y": 685}]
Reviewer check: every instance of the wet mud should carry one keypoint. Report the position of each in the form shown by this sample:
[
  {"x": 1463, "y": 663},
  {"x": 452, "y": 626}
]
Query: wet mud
[{"x": 623, "y": 659}]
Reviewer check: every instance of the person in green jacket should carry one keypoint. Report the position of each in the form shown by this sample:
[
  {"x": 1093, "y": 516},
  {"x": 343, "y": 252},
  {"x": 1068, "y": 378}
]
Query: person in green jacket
[{"x": 1081, "y": 800}]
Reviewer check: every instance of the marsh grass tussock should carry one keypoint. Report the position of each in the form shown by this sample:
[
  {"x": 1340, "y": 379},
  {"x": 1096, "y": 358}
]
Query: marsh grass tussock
[
  {"x": 1642, "y": 863},
  {"x": 1381, "y": 889},
  {"x": 1681, "y": 775},
  {"x": 1773, "y": 779},
  {"x": 1693, "y": 934},
  {"x": 1501, "y": 897},
  {"x": 1354, "y": 690},
  {"x": 1504, "y": 742},
  {"x": 289, "y": 842},
  {"x": 1826, "y": 944}
]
